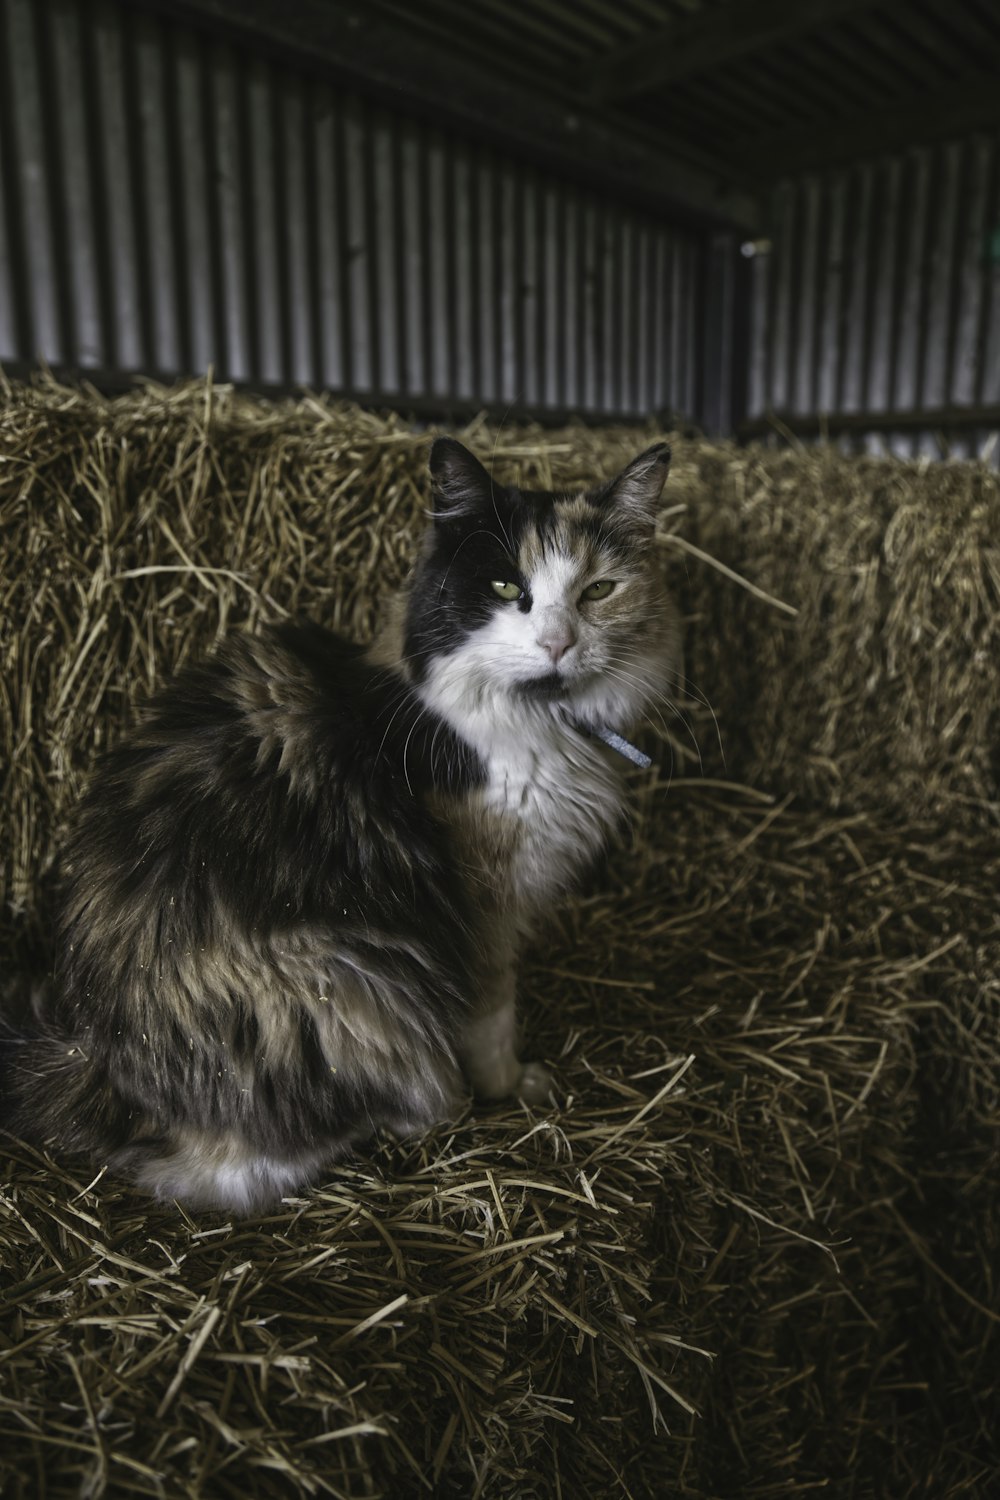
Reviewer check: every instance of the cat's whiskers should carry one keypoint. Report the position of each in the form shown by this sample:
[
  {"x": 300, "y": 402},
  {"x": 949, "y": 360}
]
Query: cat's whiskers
[
  {"x": 493, "y": 489},
  {"x": 650, "y": 704},
  {"x": 406, "y": 745},
  {"x": 655, "y": 708},
  {"x": 432, "y": 754},
  {"x": 404, "y": 700},
  {"x": 694, "y": 692}
]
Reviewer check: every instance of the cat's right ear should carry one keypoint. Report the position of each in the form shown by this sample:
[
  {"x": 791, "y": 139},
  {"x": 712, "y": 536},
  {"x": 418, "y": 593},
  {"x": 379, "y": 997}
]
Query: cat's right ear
[
  {"x": 461, "y": 485},
  {"x": 635, "y": 492}
]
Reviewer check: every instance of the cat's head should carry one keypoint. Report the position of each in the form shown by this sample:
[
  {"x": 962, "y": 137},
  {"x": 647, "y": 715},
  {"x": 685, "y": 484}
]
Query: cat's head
[{"x": 525, "y": 596}]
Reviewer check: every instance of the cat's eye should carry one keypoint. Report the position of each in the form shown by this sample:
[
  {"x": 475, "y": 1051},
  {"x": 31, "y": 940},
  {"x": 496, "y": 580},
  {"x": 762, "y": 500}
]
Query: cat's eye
[
  {"x": 599, "y": 590},
  {"x": 505, "y": 589}
]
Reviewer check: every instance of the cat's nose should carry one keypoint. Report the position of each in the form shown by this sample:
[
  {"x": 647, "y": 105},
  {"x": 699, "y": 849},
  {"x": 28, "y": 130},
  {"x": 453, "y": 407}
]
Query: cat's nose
[{"x": 556, "y": 634}]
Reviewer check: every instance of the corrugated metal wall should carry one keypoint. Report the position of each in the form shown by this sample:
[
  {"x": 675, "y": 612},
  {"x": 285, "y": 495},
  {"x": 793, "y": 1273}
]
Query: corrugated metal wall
[
  {"x": 169, "y": 201},
  {"x": 881, "y": 294}
]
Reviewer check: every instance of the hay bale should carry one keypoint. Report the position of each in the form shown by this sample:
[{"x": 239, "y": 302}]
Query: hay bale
[
  {"x": 765, "y": 1195},
  {"x": 884, "y": 691}
]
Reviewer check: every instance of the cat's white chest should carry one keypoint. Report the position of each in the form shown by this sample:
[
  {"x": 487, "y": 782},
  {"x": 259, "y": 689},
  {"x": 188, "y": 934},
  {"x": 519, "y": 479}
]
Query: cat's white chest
[
  {"x": 559, "y": 799},
  {"x": 537, "y": 779}
]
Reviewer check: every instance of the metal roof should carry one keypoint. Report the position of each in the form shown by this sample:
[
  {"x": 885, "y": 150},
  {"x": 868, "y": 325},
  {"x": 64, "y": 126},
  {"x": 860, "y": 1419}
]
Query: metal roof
[
  {"x": 690, "y": 105},
  {"x": 764, "y": 85}
]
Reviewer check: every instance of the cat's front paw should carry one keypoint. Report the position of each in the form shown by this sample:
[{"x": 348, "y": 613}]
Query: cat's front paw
[{"x": 535, "y": 1085}]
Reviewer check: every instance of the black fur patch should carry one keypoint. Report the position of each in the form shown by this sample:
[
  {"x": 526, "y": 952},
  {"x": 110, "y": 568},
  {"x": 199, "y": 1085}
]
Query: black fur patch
[
  {"x": 451, "y": 595},
  {"x": 551, "y": 687}
]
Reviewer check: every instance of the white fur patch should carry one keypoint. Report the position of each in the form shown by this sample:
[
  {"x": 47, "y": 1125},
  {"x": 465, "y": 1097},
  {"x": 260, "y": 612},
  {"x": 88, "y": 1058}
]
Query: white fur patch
[
  {"x": 205, "y": 1171},
  {"x": 563, "y": 790}
]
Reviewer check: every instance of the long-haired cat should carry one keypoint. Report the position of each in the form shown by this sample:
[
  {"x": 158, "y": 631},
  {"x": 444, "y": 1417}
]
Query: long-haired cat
[{"x": 294, "y": 898}]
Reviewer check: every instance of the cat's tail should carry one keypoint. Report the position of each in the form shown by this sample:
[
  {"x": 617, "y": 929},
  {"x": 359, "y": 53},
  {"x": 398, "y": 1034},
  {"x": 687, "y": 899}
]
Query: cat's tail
[
  {"x": 46, "y": 1086},
  {"x": 23, "y": 999},
  {"x": 54, "y": 1090}
]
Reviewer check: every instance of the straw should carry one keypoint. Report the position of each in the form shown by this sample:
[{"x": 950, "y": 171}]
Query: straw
[{"x": 752, "y": 1249}]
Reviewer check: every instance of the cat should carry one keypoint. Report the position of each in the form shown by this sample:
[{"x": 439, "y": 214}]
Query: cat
[{"x": 294, "y": 898}]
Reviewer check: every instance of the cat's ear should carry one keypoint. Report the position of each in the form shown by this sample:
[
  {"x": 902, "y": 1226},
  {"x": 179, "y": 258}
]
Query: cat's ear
[
  {"x": 461, "y": 485},
  {"x": 634, "y": 494}
]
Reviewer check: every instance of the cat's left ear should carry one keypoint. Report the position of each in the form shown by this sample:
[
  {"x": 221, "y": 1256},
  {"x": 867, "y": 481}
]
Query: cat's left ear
[
  {"x": 635, "y": 492},
  {"x": 461, "y": 485}
]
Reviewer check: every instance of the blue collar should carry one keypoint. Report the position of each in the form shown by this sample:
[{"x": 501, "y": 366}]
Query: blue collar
[{"x": 617, "y": 742}]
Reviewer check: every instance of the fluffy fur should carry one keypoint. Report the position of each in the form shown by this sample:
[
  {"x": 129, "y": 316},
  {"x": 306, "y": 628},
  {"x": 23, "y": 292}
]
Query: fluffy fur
[{"x": 295, "y": 898}]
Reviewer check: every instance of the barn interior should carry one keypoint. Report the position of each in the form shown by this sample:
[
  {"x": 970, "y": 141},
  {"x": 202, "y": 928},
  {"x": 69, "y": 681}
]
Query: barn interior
[{"x": 252, "y": 256}]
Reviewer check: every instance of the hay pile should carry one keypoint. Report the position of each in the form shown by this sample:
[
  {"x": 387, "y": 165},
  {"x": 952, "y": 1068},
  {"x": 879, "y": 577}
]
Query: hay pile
[{"x": 768, "y": 1193}]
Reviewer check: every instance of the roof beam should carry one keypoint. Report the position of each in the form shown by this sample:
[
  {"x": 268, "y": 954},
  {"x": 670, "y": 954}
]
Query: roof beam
[
  {"x": 707, "y": 40},
  {"x": 359, "y": 46},
  {"x": 973, "y": 103}
]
